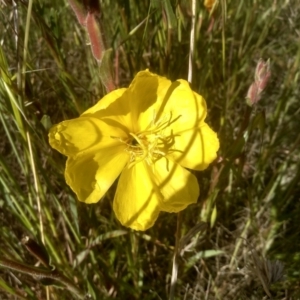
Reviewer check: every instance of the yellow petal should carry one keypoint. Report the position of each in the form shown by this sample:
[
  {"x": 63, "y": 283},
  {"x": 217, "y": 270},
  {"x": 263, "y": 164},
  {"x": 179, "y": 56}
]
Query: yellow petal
[
  {"x": 91, "y": 176},
  {"x": 209, "y": 4},
  {"x": 115, "y": 106},
  {"x": 136, "y": 204},
  {"x": 177, "y": 186},
  {"x": 195, "y": 148},
  {"x": 147, "y": 92},
  {"x": 105, "y": 102},
  {"x": 144, "y": 190},
  {"x": 84, "y": 136},
  {"x": 187, "y": 108},
  {"x": 137, "y": 106},
  {"x": 195, "y": 144}
]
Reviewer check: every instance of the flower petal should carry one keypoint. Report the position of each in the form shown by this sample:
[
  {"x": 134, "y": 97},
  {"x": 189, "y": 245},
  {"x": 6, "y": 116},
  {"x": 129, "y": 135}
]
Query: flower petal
[
  {"x": 135, "y": 107},
  {"x": 105, "y": 102},
  {"x": 178, "y": 187},
  {"x": 195, "y": 148},
  {"x": 144, "y": 190},
  {"x": 115, "y": 106},
  {"x": 136, "y": 204},
  {"x": 91, "y": 176},
  {"x": 187, "y": 108},
  {"x": 84, "y": 136},
  {"x": 147, "y": 91}
]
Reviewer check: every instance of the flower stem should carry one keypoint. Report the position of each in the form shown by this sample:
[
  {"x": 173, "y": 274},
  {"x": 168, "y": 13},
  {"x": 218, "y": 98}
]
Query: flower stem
[{"x": 175, "y": 258}]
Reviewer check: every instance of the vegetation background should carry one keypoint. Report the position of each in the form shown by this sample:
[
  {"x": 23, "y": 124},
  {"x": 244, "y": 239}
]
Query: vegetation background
[{"x": 250, "y": 197}]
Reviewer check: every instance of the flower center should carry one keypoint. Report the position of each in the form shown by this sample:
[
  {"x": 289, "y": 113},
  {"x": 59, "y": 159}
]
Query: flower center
[
  {"x": 145, "y": 146},
  {"x": 151, "y": 144}
]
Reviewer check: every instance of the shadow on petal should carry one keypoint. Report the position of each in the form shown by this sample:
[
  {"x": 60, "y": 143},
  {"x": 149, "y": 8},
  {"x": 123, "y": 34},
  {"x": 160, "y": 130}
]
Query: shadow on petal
[
  {"x": 83, "y": 136},
  {"x": 176, "y": 186},
  {"x": 80, "y": 176},
  {"x": 136, "y": 203},
  {"x": 195, "y": 148}
]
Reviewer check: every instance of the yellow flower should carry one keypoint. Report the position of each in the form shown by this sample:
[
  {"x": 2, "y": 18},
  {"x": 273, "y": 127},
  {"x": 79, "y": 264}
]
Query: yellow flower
[
  {"x": 147, "y": 134},
  {"x": 209, "y": 4}
]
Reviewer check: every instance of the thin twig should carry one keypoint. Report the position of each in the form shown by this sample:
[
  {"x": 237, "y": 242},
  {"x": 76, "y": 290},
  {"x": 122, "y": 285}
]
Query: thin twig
[
  {"x": 40, "y": 273},
  {"x": 192, "y": 42},
  {"x": 175, "y": 258}
]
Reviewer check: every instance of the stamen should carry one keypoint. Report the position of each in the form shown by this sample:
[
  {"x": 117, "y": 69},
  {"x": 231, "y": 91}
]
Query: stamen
[
  {"x": 151, "y": 144},
  {"x": 143, "y": 148}
]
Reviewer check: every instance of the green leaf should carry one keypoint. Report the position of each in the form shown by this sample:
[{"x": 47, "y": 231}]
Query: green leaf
[
  {"x": 172, "y": 21},
  {"x": 202, "y": 254},
  {"x": 46, "y": 122}
]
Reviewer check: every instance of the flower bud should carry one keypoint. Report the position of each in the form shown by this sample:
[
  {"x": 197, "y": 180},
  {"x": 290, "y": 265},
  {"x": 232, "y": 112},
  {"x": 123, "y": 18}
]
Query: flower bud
[{"x": 261, "y": 77}]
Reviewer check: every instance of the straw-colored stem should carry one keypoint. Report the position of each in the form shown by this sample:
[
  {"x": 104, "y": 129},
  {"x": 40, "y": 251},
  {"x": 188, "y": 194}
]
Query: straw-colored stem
[
  {"x": 42, "y": 274},
  {"x": 175, "y": 258},
  {"x": 192, "y": 41}
]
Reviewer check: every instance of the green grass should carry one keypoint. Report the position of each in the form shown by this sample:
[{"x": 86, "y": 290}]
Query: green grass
[{"x": 249, "y": 196}]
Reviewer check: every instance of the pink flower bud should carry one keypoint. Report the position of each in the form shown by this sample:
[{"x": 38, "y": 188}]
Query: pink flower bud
[
  {"x": 262, "y": 75},
  {"x": 262, "y": 70},
  {"x": 252, "y": 94}
]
